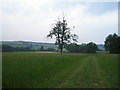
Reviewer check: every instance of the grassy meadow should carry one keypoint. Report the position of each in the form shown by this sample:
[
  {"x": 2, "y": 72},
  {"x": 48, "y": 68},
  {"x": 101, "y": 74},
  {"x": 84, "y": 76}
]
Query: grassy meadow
[{"x": 53, "y": 70}]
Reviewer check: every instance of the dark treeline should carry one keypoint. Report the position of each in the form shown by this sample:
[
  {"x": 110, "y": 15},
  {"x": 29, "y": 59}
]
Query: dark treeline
[
  {"x": 71, "y": 48},
  {"x": 83, "y": 48},
  {"x": 112, "y": 43},
  {"x": 7, "y": 48}
]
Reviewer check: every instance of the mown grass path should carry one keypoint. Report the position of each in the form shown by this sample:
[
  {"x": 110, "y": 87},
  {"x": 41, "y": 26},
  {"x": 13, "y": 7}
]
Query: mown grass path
[
  {"x": 53, "y": 70},
  {"x": 73, "y": 74}
]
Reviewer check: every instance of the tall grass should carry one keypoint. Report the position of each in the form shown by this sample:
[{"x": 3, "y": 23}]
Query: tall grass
[{"x": 53, "y": 70}]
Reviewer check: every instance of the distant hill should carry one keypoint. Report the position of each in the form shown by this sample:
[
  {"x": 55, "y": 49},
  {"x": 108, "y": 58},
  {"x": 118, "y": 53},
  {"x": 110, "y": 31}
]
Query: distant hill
[
  {"x": 36, "y": 45},
  {"x": 32, "y": 45}
]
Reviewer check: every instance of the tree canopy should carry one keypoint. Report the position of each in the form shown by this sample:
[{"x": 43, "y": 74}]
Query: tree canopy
[
  {"x": 112, "y": 43},
  {"x": 83, "y": 48},
  {"x": 62, "y": 33}
]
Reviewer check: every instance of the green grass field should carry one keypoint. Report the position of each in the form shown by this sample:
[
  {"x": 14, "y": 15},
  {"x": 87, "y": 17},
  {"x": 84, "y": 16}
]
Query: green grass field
[{"x": 53, "y": 70}]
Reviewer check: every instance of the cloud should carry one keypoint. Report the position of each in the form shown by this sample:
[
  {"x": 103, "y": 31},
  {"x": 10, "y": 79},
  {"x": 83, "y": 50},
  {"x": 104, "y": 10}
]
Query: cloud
[
  {"x": 32, "y": 20},
  {"x": 93, "y": 28}
]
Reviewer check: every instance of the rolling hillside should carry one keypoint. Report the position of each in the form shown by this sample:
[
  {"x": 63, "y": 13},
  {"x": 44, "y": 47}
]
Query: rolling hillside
[
  {"x": 32, "y": 45},
  {"x": 37, "y": 45}
]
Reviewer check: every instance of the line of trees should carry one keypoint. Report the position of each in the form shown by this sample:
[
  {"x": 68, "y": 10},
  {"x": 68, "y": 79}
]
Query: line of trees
[
  {"x": 83, "y": 48},
  {"x": 112, "y": 43},
  {"x": 72, "y": 48},
  {"x": 7, "y": 48}
]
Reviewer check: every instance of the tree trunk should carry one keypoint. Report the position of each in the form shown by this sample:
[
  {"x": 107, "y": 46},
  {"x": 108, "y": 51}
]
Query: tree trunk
[{"x": 61, "y": 49}]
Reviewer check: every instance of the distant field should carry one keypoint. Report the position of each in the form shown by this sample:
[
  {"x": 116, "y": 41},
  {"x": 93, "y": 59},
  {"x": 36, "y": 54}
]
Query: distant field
[{"x": 53, "y": 70}]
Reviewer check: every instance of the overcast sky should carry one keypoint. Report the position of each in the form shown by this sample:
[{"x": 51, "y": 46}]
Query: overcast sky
[{"x": 31, "y": 20}]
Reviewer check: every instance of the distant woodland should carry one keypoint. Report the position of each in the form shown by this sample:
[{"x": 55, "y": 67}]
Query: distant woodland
[{"x": 112, "y": 45}]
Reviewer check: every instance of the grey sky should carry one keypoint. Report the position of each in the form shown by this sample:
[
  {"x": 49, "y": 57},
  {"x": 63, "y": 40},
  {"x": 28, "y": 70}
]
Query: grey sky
[{"x": 31, "y": 20}]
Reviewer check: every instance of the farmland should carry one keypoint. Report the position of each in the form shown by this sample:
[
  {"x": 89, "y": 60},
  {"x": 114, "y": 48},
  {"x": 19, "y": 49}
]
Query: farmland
[{"x": 53, "y": 70}]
